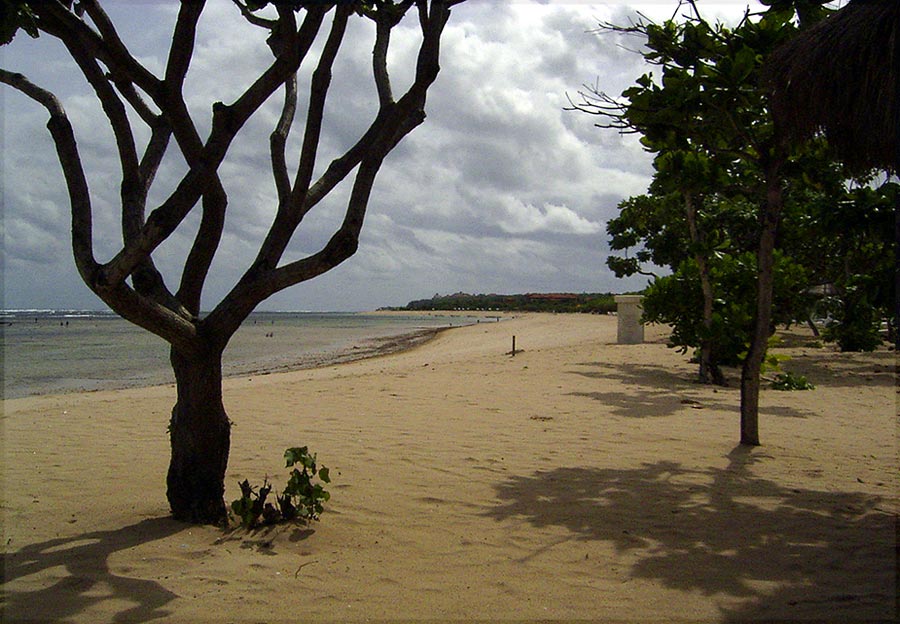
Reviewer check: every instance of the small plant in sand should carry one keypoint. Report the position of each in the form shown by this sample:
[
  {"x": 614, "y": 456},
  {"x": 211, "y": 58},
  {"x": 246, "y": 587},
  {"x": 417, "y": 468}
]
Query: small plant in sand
[
  {"x": 789, "y": 381},
  {"x": 301, "y": 500}
]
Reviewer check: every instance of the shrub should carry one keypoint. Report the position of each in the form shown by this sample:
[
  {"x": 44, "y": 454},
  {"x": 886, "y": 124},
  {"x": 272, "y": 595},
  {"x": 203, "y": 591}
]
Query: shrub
[
  {"x": 302, "y": 499},
  {"x": 790, "y": 381}
]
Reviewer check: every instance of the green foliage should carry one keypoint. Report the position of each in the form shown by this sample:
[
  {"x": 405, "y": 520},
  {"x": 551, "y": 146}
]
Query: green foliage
[
  {"x": 855, "y": 320},
  {"x": 655, "y": 226},
  {"x": 704, "y": 114},
  {"x": 302, "y": 499},
  {"x": 706, "y": 120},
  {"x": 677, "y": 300},
  {"x": 855, "y": 256},
  {"x": 789, "y": 381},
  {"x": 771, "y": 361},
  {"x": 808, "y": 11}
]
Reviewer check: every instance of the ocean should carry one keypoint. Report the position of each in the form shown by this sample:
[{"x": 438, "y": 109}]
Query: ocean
[{"x": 57, "y": 351}]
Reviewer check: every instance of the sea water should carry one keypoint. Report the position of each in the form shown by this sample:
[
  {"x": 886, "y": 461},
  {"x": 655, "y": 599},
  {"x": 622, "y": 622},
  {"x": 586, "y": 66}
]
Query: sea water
[{"x": 54, "y": 351}]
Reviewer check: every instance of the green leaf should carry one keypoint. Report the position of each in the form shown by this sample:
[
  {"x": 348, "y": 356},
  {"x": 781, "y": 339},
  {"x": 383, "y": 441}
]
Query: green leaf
[
  {"x": 295, "y": 455},
  {"x": 787, "y": 381},
  {"x": 744, "y": 63}
]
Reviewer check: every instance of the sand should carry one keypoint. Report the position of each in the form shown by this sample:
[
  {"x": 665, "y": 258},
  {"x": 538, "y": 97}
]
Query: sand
[{"x": 579, "y": 479}]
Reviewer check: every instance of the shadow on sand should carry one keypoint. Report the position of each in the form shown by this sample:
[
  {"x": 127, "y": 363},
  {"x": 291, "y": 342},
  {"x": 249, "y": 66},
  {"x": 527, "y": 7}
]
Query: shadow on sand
[
  {"x": 85, "y": 578},
  {"x": 655, "y": 391},
  {"x": 776, "y": 552},
  {"x": 648, "y": 391}
]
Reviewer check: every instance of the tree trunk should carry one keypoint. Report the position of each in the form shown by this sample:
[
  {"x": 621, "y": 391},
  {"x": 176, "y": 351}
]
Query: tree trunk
[
  {"x": 709, "y": 369},
  {"x": 895, "y": 324},
  {"x": 812, "y": 326},
  {"x": 764, "y": 287},
  {"x": 200, "y": 438},
  {"x": 710, "y": 372}
]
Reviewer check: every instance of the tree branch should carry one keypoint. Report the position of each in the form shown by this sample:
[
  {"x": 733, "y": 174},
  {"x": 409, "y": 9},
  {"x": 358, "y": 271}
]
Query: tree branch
[
  {"x": 146, "y": 279},
  {"x": 56, "y": 20},
  {"x": 343, "y": 243},
  {"x": 182, "y": 49},
  {"x": 104, "y": 26},
  {"x": 76, "y": 183},
  {"x": 143, "y": 312},
  {"x": 321, "y": 81},
  {"x": 252, "y": 17},
  {"x": 427, "y": 68},
  {"x": 383, "y": 28},
  {"x": 393, "y": 121},
  {"x": 278, "y": 141},
  {"x": 214, "y": 199},
  {"x": 86, "y": 49},
  {"x": 597, "y": 103},
  {"x": 174, "y": 328},
  {"x": 141, "y": 107},
  {"x": 227, "y": 121},
  {"x": 292, "y": 211}
]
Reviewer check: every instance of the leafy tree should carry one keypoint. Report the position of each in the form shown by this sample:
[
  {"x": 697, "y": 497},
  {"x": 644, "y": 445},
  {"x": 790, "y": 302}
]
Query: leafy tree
[
  {"x": 854, "y": 256},
  {"x": 707, "y": 121},
  {"x": 705, "y": 238},
  {"x": 131, "y": 94}
]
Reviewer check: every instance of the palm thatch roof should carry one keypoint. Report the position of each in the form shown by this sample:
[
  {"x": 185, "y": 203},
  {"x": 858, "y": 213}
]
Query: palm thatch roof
[{"x": 840, "y": 76}]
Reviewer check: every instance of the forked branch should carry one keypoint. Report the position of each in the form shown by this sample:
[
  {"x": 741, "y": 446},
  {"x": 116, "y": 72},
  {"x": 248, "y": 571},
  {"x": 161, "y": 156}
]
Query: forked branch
[{"x": 393, "y": 121}]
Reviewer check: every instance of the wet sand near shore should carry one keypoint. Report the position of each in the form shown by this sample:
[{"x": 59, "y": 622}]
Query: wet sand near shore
[{"x": 580, "y": 479}]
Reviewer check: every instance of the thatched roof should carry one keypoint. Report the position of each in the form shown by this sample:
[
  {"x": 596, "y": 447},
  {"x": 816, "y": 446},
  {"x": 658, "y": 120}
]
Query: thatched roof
[{"x": 840, "y": 76}]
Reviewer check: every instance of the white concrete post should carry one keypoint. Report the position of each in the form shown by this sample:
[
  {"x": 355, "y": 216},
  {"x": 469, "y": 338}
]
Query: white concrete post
[{"x": 629, "y": 310}]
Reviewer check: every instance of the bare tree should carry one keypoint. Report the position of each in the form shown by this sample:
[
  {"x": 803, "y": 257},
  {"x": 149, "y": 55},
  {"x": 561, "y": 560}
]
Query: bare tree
[{"x": 130, "y": 283}]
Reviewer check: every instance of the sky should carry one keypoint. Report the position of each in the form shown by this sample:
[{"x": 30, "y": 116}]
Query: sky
[{"x": 501, "y": 190}]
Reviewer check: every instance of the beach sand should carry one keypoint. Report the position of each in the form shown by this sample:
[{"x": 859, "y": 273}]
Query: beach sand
[{"x": 580, "y": 479}]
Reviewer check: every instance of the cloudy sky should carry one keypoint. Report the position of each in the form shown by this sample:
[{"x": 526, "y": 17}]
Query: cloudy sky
[{"x": 501, "y": 190}]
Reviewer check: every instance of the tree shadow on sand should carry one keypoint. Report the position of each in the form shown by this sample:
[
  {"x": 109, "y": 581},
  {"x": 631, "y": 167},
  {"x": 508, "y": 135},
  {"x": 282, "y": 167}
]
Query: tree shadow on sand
[
  {"x": 648, "y": 391},
  {"x": 655, "y": 391},
  {"x": 759, "y": 549},
  {"x": 85, "y": 579},
  {"x": 846, "y": 370}
]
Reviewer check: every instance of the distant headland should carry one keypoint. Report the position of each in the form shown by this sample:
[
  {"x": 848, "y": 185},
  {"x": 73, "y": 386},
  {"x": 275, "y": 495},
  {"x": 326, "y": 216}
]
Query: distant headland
[{"x": 591, "y": 303}]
